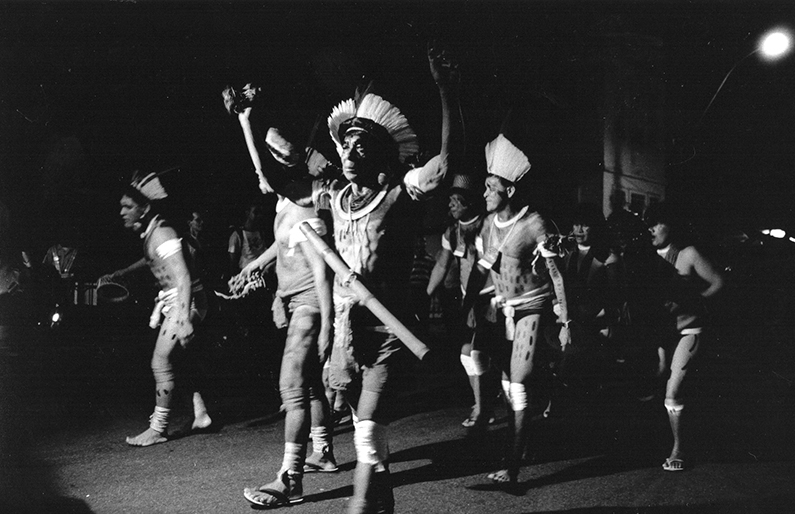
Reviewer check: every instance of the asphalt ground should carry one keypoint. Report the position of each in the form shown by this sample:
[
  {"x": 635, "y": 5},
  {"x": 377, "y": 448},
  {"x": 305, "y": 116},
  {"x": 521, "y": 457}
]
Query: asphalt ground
[{"x": 70, "y": 396}]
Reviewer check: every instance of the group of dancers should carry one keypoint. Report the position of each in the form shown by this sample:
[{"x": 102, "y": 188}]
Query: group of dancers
[{"x": 511, "y": 268}]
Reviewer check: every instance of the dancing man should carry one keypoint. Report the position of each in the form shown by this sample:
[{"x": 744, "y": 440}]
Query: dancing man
[
  {"x": 691, "y": 279},
  {"x": 303, "y": 304},
  {"x": 374, "y": 230},
  {"x": 520, "y": 256},
  {"x": 180, "y": 304},
  {"x": 459, "y": 250}
]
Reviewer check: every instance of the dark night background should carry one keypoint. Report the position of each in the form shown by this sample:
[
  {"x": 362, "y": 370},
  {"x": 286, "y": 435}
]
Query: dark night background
[{"x": 91, "y": 91}]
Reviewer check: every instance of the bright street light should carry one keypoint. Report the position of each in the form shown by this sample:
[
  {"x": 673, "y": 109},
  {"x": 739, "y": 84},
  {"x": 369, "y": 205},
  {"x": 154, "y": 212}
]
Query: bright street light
[{"x": 773, "y": 45}]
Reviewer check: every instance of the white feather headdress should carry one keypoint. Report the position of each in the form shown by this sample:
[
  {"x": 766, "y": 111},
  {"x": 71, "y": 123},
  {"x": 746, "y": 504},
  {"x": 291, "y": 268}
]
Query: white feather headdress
[
  {"x": 506, "y": 160},
  {"x": 149, "y": 185},
  {"x": 376, "y": 110}
]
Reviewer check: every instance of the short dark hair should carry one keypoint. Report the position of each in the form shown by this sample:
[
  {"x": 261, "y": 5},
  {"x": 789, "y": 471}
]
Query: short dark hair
[
  {"x": 662, "y": 213},
  {"x": 588, "y": 214}
]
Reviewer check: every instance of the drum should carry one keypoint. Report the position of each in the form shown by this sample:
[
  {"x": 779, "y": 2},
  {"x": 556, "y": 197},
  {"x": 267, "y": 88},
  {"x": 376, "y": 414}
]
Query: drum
[
  {"x": 111, "y": 290},
  {"x": 86, "y": 293}
]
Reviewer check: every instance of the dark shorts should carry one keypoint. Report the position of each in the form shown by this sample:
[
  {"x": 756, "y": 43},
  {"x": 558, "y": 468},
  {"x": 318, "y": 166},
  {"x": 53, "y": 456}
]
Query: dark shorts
[{"x": 365, "y": 364}]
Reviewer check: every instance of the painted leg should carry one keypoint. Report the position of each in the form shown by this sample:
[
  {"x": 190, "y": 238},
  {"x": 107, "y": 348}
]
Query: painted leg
[{"x": 164, "y": 389}]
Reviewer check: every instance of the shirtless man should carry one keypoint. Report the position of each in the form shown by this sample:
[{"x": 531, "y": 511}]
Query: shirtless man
[
  {"x": 181, "y": 302},
  {"x": 520, "y": 256},
  {"x": 458, "y": 245},
  {"x": 374, "y": 228},
  {"x": 691, "y": 279},
  {"x": 303, "y": 304}
]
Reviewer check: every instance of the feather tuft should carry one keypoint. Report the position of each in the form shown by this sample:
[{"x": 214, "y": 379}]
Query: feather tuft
[
  {"x": 149, "y": 185},
  {"x": 506, "y": 160}
]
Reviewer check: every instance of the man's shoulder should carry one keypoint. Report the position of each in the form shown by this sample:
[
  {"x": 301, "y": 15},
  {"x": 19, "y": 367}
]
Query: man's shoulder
[
  {"x": 533, "y": 222},
  {"x": 690, "y": 254}
]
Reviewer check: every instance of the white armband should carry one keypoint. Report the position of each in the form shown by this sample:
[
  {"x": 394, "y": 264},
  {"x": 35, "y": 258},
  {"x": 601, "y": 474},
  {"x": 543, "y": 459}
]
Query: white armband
[
  {"x": 446, "y": 243},
  {"x": 412, "y": 178},
  {"x": 296, "y": 236},
  {"x": 169, "y": 248}
]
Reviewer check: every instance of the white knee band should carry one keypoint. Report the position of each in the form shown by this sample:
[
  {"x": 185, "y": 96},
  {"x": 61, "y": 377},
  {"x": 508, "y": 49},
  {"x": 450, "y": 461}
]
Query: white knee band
[
  {"x": 469, "y": 366},
  {"x": 506, "y": 389},
  {"x": 674, "y": 406},
  {"x": 158, "y": 421},
  {"x": 369, "y": 438},
  {"x": 480, "y": 361},
  {"x": 518, "y": 397}
]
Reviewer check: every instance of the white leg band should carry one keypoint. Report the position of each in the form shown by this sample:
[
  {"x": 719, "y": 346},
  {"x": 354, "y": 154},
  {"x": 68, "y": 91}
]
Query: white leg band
[
  {"x": 674, "y": 406},
  {"x": 469, "y": 366},
  {"x": 158, "y": 421},
  {"x": 518, "y": 397},
  {"x": 320, "y": 439},
  {"x": 506, "y": 389},
  {"x": 370, "y": 441},
  {"x": 293, "y": 458},
  {"x": 480, "y": 361}
]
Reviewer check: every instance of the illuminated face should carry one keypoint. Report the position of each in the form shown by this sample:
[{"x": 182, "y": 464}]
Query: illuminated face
[
  {"x": 582, "y": 233},
  {"x": 132, "y": 213},
  {"x": 459, "y": 207},
  {"x": 496, "y": 194},
  {"x": 357, "y": 156},
  {"x": 660, "y": 235},
  {"x": 196, "y": 223}
]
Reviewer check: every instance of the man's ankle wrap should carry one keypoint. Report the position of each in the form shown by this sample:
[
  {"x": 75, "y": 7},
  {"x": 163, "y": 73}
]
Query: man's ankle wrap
[
  {"x": 518, "y": 397},
  {"x": 158, "y": 421},
  {"x": 480, "y": 362},
  {"x": 321, "y": 439},
  {"x": 293, "y": 399},
  {"x": 469, "y": 366},
  {"x": 674, "y": 406},
  {"x": 370, "y": 441},
  {"x": 293, "y": 458}
]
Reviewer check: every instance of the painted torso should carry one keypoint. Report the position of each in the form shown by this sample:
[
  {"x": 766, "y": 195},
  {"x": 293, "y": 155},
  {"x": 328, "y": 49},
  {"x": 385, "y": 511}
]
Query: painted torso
[{"x": 510, "y": 250}]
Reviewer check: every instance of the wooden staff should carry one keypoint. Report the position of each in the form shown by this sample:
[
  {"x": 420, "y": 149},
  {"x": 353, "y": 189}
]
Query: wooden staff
[{"x": 367, "y": 299}]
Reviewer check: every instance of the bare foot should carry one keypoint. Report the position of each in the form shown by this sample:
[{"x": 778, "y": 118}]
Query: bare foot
[
  {"x": 201, "y": 422},
  {"x": 501, "y": 477},
  {"x": 147, "y": 438}
]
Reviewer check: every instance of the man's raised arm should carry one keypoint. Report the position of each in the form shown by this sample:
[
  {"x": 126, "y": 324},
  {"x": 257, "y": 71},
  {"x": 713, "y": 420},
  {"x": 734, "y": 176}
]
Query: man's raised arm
[
  {"x": 274, "y": 177},
  {"x": 423, "y": 180}
]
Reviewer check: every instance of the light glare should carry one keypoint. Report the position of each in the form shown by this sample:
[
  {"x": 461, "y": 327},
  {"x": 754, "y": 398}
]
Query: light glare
[
  {"x": 778, "y": 233},
  {"x": 775, "y": 44}
]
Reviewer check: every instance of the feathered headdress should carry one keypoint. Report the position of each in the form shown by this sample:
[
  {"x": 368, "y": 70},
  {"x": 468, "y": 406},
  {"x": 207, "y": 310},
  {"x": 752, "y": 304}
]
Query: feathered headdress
[
  {"x": 465, "y": 185},
  {"x": 506, "y": 160},
  {"x": 149, "y": 185},
  {"x": 377, "y": 117}
]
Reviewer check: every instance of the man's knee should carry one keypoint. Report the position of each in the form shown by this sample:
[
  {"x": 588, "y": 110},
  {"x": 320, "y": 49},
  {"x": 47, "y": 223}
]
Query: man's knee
[
  {"x": 480, "y": 362},
  {"x": 294, "y": 398},
  {"x": 674, "y": 406},
  {"x": 518, "y": 396},
  {"x": 370, "y": 440},
  {"x": 162, "y": 369}
]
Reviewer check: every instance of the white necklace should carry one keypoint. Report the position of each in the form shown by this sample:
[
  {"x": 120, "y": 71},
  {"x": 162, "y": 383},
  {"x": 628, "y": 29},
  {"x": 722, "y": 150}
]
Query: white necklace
[{"x": 504, "y": 224}]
